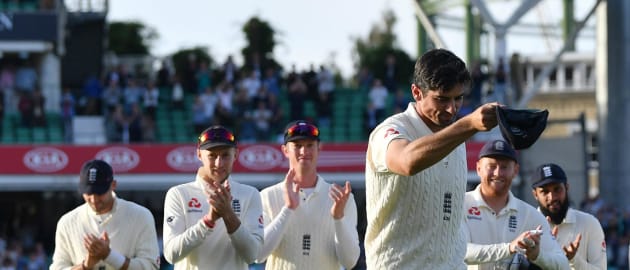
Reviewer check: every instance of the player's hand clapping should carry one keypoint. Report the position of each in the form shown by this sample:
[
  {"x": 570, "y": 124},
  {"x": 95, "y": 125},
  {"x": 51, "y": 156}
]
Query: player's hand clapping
[{"x": 340, "y": 197}]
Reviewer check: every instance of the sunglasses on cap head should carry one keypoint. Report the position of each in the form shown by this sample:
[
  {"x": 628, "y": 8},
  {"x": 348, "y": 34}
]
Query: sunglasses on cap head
[
  {"x": 216, "y": 135},
  {"x": 300, "y": 130}
]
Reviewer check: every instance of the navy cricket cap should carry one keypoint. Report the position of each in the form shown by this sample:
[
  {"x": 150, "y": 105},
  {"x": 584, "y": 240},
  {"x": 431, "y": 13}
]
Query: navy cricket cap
[
  {"x": 547, "y": 174},
  {"x": 498, "y": 148},
  {"x": 299, "y": 130},
  {"x": 521, "y": 128},
  {"x": 215, "y": 136},
  {"x": 96, "y": 177}
]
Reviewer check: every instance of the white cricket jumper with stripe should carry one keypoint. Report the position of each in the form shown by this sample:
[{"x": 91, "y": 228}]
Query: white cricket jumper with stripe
[
  {"x": 414, "y": 222},
  {"x": 308, "y": 237},
  {"x": 131, "y": 231}
]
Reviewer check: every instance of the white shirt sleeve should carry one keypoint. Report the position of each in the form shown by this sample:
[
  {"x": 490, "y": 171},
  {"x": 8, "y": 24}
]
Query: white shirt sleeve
[
  {"x": 61, "y": 257},
  {"x": 551, "y": 255},
  {"x": 592, "y": 241},
  {"x": 248, "y": 238},
  {"x": 274, "y": 232},
  {"x": 179, "y": 240},
  {"x": 479, "y": 254},
  {"x": 147, "y": 251},
  {"x": 347, "y": 237}
]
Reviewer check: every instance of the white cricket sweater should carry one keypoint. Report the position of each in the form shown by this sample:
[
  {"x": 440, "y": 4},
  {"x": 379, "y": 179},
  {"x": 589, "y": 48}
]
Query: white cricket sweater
[
  {"x": 414, "y": 222},
  {"x": 489, "y": 234},
  {"x": 190, "y": 244},
  {"x": 310, "y": 238},
  {"x": 592, "y": 251},
  {"x": 131, "y": 231}
]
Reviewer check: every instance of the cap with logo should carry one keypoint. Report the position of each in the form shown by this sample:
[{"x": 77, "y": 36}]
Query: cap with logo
[
  {"x": 498, "y": 148},
  {"x": 96, "y": 177},
  {"x": 521, "y": 128},
  {"x": 215, "y": 136},
  {"x": 299, "y": 130},
  {"x": 547, "y": 174}
]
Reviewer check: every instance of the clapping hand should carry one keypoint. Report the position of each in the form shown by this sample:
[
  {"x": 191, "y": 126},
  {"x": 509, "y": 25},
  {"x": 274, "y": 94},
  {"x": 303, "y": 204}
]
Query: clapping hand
[
  {"x": 571, "y": 249},
  {"x": 340, "y": 198},
  {"x": 291, "y": 190}
]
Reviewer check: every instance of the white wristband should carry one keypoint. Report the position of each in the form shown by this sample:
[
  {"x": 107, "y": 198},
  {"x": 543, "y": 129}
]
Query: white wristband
[{"x": 115, "y": 259}]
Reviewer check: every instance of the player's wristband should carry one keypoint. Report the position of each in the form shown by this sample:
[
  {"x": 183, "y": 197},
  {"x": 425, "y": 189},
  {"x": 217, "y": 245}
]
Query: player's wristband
[
  {"x": 209, "y": 223},
  {"x": 115, "y": 259}
]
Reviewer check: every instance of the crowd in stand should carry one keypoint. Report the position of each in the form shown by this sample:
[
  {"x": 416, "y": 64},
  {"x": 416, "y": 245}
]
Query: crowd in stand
[
  {"x": 245, "y": 99},
  {"x": 15, "y": 255}
]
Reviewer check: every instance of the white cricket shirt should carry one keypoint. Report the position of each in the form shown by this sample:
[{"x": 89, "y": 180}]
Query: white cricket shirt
[
  {"x": 190, "y": 244},
  {"x": 489, "y": 234}
]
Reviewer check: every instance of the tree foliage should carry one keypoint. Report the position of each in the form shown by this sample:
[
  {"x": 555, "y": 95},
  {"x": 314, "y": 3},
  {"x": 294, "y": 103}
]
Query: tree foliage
[
  {"x": 380, "y": 43},
  {"x": 130, "y": 38},
  {"x": 260, "y": 37},
  {"x": 181, "y": 58}
]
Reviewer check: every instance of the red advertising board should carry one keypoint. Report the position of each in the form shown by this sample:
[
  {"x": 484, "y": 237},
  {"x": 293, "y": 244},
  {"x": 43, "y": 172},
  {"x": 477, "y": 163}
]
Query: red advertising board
[{"x": 177, "y": 158}]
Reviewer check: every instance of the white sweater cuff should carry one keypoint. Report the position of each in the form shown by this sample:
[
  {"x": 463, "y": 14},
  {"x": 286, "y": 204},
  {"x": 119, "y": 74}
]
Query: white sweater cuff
[{"x": 115, "y": 259}]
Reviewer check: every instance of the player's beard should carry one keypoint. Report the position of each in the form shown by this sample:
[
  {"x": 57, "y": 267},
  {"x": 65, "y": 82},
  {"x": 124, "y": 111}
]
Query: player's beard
[{"x": 557, "y": 217}]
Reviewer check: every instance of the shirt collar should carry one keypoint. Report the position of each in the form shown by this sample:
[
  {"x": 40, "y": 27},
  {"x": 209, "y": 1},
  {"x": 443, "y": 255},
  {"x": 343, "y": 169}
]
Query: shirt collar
[{"x": 511, "y": 205}]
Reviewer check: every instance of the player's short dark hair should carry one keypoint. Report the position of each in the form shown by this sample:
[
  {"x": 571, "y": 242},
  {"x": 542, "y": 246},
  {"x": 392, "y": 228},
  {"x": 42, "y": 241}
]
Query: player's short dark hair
[{"x": 440, "y": 70}]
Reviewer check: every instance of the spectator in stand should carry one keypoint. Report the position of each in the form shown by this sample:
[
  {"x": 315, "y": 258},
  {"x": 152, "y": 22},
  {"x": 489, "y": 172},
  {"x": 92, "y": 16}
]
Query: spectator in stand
[
  {"x": 177, "y": 96},
  {"x": 277, "y": 116},
  {"x": 400, "y": 101},
  {"x": 26, "y": 108},
  {"x": 326, "y": 82},
  {"x": 7, "y": 87},
  {"x": 242, "y": 113},
  {"x": 365, "y": 79},
  {"x": 203, "y": 76},
  {"x": 262, "y": 117},
  {"x": 164, "y": 76},
  {"x": 500, "y": 83},
  {"x": 39, "y": 111},
  {"x": 252, "y": 84},
  {"x": 324, "y": 110},
  {"x": 151, "y": 101},
  {"x": 229, "y": 70},
  {"x": 271, "y": 81},
  {"x": 67, "y": 114},
  {"x": 133, "y": 93},
  {"x": 479, "y": 77},
  {"x": 188, "y": 79},
  {"x": 92, "y": 92},
  {"x": 378, "y": 97},
  {"x": 225, "y": 107},
  {"x": 370, "y": 118},
  {"x": 297, "y": 95},
  {"x": 210, "y": 101},
  {"x": 391, "y": 73},
  {"x": 112, "y": 96},
  {"x": 135, "y": 124},
  {"x": 310, "y": 78},
  {"x": 26, "y": 78},
  {"x": 199, "y": 119},
  {"x": 117, "y": 127}
]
